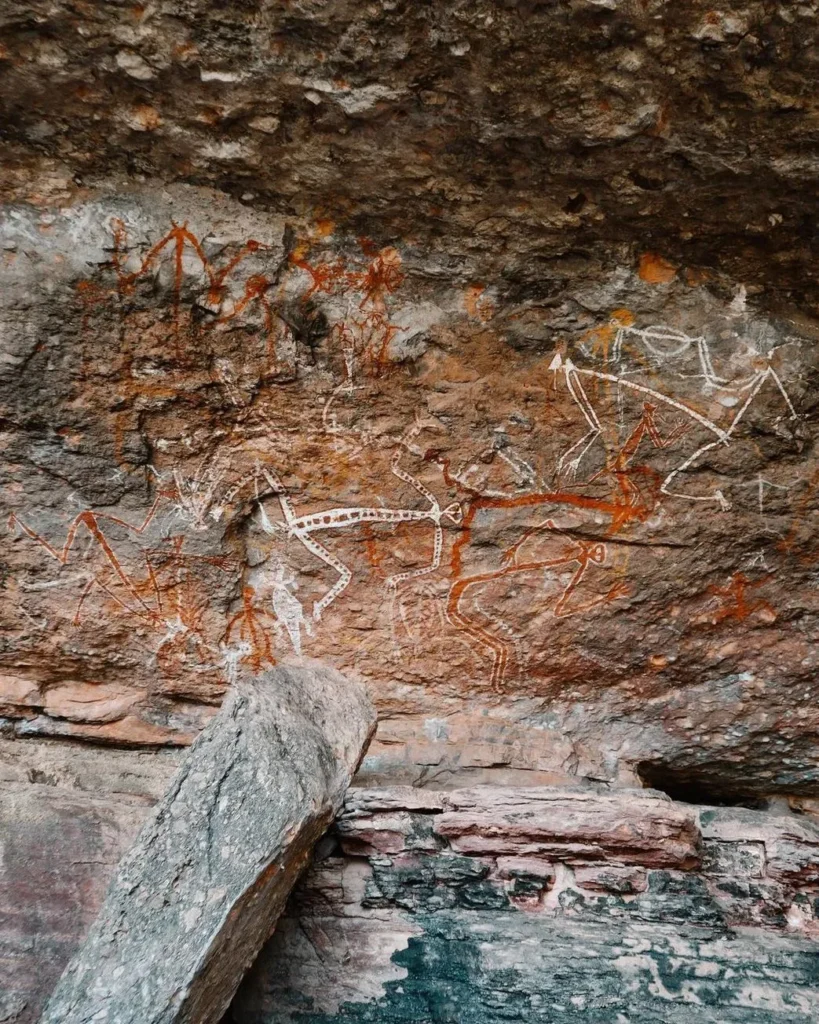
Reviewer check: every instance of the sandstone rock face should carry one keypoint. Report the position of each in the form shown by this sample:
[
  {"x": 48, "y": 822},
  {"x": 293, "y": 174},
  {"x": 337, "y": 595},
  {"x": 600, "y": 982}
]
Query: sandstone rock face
[
  {"x": 469, "y": 347},
  {"x": 489, "y": 905},
  {"x": 588, "y": 554},
  {"x": 201, "y": 888},
  {"x": 68, "y": 813},
  {"x": 460, "y": 346}
]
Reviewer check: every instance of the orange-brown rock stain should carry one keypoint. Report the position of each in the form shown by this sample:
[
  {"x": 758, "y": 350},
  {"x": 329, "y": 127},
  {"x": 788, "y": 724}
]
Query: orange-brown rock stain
[{"x": 654, "y": 269}]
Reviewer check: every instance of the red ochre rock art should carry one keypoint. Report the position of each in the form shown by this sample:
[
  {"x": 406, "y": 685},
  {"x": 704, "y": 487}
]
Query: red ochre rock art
[
  {"x": 256, "y": 442},
  {"x": 471, "y": 349}
]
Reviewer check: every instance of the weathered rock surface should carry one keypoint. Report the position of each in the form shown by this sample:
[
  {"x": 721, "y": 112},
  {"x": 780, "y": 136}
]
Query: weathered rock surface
[
  {"x": 394, "y": 923},
  {"x": 529, "y": 136},
  {"x": 68, "y": 812},
  {"x": 401, "y": 924},
  {"x": 201, "y": 888},
  {"x": 469, "y": 347},
  {"x": 464, "y": 346},
  {"x": 529, "y": 822},
  {"x": 589, "y": 556}
]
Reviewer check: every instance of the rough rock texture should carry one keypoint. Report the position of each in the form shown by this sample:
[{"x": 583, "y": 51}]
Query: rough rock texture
[
  {"x": 68, "y": 812},
  {"x": 514, "y": 132},
  {"x": 491, "y": 905},
  {"x": 468, "y": 346},
  {"x": 201, "y": 888},
  {"x": 464, "y": 345}
]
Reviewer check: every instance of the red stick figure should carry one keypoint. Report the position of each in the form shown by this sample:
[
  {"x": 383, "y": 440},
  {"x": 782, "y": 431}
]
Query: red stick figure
[
  {"x": 381, "y": 278},
  {"x": 735, "y": 604},
  {"x": 620, "y": 465},
  {"x": 325, "y": 277},
  {"x": 90, "y": 521},
  {"x": 177, "y": 239},
  {"x": 251, "y": 630}
]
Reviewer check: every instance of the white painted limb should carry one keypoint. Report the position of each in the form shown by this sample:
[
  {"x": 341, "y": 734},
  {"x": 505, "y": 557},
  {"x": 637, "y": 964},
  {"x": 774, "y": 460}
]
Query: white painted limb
[
  {"x": 760, "y": 484},
  {"x": 412, "y": 574},
  {"x": 706, "y": 365},
  {"x": 581, "y": 399},
  {"x": 402, "y": 474},
  {"x": 634, "y": 386},
  {"x": 272, "y": 478},
  {"x": 344, "y": 574},
  {"x": 587, "y": 440},
  {"x": 330, "y": 422},
  {"x": 525, "y": 472},
  {"x": 717, "y": 496},
  {"x": 654, "y": 333},
  {"x": 771, "y": 372}
]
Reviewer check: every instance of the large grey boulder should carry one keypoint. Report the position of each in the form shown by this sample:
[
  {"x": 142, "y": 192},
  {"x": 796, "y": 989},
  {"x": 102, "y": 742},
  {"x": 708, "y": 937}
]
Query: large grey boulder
[{"x": 199, "y": 892}]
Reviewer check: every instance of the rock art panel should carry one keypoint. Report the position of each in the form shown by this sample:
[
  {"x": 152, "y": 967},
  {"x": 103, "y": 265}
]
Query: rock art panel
[
  {"x": 233, "y": 440},
  {"x": 469, "y": 348}
]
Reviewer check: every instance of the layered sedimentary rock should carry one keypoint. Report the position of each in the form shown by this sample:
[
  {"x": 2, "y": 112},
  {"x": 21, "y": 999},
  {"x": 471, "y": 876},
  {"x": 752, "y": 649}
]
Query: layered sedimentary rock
[
  {"x": 551, "y": 905},
  {"x": 200, "y": 890},
  {"x": 480, "y": 904},
  {"x": 468, "y": 347}
]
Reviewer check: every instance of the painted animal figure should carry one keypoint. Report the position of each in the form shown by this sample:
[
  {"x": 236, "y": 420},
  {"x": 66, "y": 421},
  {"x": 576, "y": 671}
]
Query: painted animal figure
[
  {"x": 574, "y": 552},
  {"x": 639, "y": 485},
  {"x": 722, "y": 435},
  {"x": 578, "y": 394}
]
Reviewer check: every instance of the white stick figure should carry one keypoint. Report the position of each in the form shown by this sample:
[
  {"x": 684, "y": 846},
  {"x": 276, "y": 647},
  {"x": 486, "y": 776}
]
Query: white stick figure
[{"x": 302, "y": 528}]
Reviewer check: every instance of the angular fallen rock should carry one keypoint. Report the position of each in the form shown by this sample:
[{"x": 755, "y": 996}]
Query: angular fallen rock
[{"x": 200, "y": 890}]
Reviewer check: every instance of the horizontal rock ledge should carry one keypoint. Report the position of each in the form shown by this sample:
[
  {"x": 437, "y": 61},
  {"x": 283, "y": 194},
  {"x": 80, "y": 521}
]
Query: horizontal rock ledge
[{"x": 628, "y": 826}]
